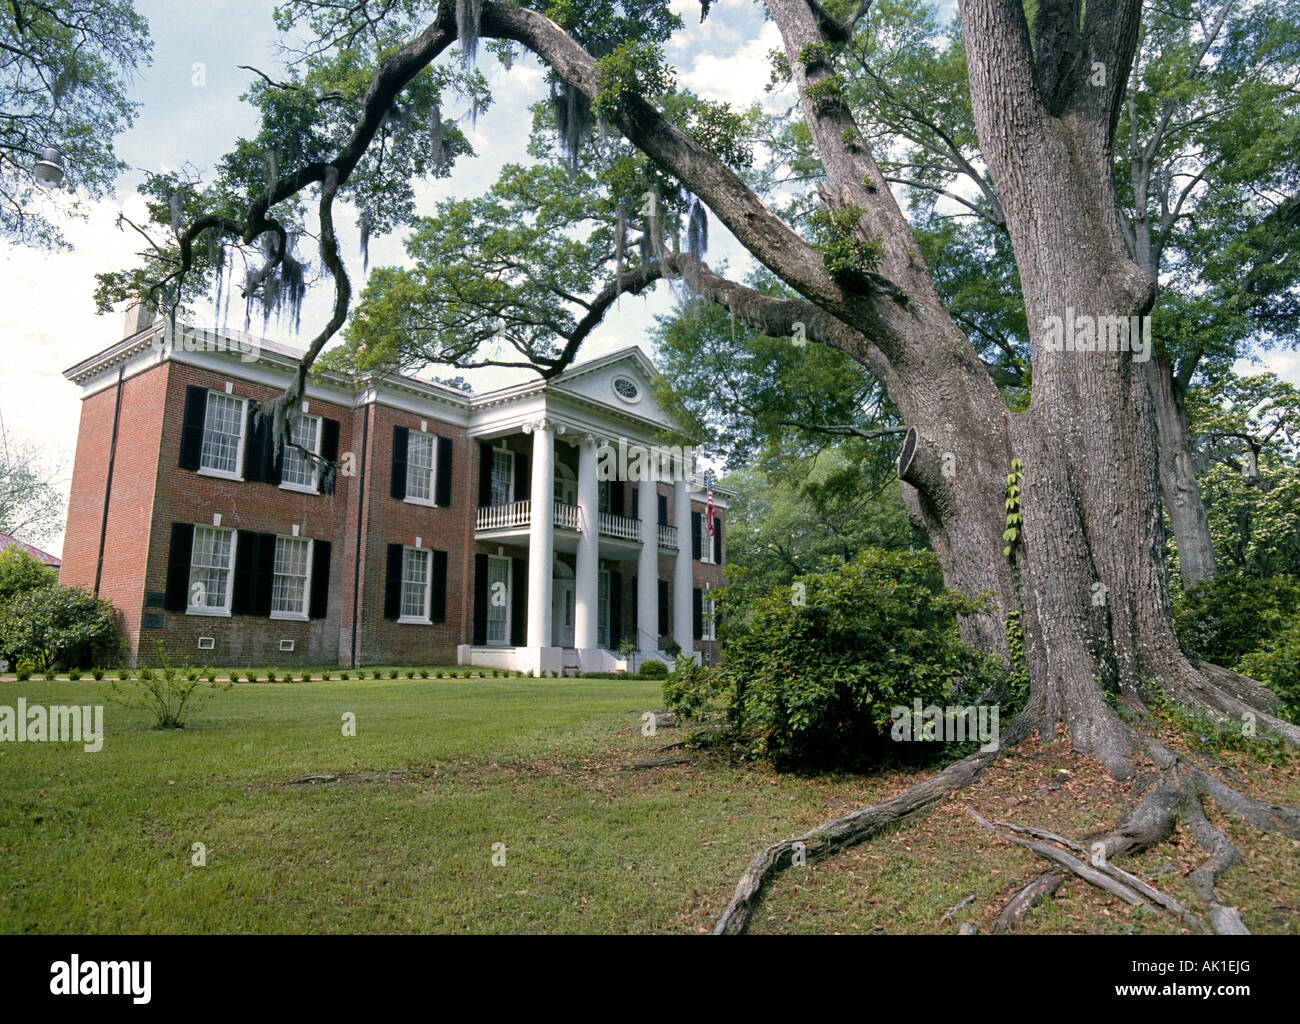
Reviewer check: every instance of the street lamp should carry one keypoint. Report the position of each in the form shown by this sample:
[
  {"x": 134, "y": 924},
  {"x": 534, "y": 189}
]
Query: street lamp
[{"x": 49, "y": 168}]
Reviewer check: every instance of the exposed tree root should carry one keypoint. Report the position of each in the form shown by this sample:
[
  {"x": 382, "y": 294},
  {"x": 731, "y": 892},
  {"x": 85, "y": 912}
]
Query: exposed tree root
[
  {"x": 1173, "y": 793},
  {"x": 846, "y": 831},
  {"x": 632, "y": 765},
  {"x": 1100, "y": 872},
  {"x": 1013, "y": 911}
]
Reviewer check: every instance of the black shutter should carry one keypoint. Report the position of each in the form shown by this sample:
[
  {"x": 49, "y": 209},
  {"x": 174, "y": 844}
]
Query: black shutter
[
  {"x": 329, "y": 439},
  {"x": 401, "y": 442},
  {"x": 636, "y": 503},
  {"x": 616, "y": 497},
  {"x": 196, "y": 413},
  {"x": 318, "y": 607},
  {"x": 663, "y": 510},
  {"x": 329, "y": 452},
  {"x": 696, "y": 529},
  {"x": 178, "y": 567},
  {"x": 242, "y": 598},
  {"x": 615, "y": 609},
  {"x": 480, "y": 600},
  {"x": 442, "y": 485},
  {"x": 254, "y": 444},
  {"x": 717, "y": 540},
  {"x": 636, "y": 610},
  {"x": 518, "y": 602},
  {"x": 523, "y": 475},
  {"x": 697, "y": 600},
  {"x": 665, "y": 627},
  {"x": 438, "y": 605},
  {"x": 264, "y": 585},
  {"x": 393, "y": 583},
  {"x": 484, "y": 474}
]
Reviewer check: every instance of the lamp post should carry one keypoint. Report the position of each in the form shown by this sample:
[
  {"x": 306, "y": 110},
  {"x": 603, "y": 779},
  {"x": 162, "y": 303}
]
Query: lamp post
[{"x": 49, "y": 168}]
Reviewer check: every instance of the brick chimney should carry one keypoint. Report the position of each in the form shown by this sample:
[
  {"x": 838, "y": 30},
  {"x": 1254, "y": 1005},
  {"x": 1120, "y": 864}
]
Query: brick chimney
[{"x": 138, "y": 317}]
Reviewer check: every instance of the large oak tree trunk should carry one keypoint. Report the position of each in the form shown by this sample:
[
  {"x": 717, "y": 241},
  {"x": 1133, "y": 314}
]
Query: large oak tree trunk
[{"x": 1182, "y": 492}]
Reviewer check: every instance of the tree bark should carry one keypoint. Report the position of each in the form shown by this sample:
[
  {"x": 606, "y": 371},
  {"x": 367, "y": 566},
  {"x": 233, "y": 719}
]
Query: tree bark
[{"x": 1182, "y": 493}]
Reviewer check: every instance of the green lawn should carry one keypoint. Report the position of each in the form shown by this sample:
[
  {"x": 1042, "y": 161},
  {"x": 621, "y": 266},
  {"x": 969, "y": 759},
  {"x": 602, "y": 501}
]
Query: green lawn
[{"x": 101, "y": 842}]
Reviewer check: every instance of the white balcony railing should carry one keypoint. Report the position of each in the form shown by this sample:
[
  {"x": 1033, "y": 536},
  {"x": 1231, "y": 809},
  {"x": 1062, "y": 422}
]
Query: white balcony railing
[
  {"x": 667, "y": 536},
  {"x": 504, "y": 517},
  {"x": 566, "y": 516},
  {"x": 519, "y": 513},
  {"x": 622, "y": 527}
]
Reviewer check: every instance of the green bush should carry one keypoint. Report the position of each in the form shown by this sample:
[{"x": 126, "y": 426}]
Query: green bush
[
  {"x": 64, "y": 625},
  {"x": 168, "y": 695},
  {"x": 74, "y": 675},
  {"x": 1232, "y": 615},
  {"x": 814, "y": 673},
  {"x": 1277, "y": 665},
  {"x": 653, "y": 669},
  {"x": 21, "y": 573},
  {"x": 23, "y": 670},
  {"x": 97, "y": 673}
]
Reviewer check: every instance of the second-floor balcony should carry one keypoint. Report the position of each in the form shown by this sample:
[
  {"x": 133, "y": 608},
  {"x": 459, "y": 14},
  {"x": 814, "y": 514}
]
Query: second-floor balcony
[{"x": 518, "y": 516}]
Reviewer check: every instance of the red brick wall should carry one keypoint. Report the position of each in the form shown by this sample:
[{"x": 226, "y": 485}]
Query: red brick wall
[
  {"x": 135, "y": 470},
  {"x": 393, "y": 521},
  {"x": 184, "y": 496}
]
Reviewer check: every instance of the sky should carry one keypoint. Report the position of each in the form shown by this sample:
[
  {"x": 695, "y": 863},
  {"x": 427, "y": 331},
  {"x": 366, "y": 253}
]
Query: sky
[{"x": 191, "y": 114}]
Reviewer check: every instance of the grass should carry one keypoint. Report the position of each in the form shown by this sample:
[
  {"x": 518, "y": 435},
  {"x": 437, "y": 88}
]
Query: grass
[
  {"x": 440, "y": 770},
  {"x": 102, "y": 842}
]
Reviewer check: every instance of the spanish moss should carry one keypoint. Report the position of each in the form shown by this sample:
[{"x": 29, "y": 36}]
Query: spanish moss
[
  {"x": 697, "y": 230},
  {"x": 279, "y": 286},
  {"x": 272, "y": 169},
  {"x": 438, "y": 154},
  {"x": 364, "y": 224},
  {"x": 469, "y": 14},
  {"x": 573, "y": 118},
  {"x": 620, "y": 241},
  {"x": 176, "y": 211}
]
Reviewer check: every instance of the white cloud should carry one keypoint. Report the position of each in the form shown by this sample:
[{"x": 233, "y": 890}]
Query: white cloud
[{"x": 739, "y": 77}]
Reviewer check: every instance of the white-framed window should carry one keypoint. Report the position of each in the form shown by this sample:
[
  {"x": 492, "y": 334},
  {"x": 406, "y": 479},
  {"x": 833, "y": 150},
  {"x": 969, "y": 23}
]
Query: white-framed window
[
  {"x": 420, "y": 458},
  {"x": 212, "y": 564},
  {"x": 297, "y": 471},
  {"x": 223, "y": 435},
  {"x": 503, "y": 477},
  {"x": 498, "y": 602},
  {"x": 709, "y": 629},
  {"x": 417, "y": 576},
  {"x": 604, "y": 497},
  {"x": 602, "y": 608},
  {"x": 291, "y": 585}
]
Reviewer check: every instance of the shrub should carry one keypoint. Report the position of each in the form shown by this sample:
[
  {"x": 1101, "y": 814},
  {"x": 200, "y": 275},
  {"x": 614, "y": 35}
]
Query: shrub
[
  {"x": 673, "y": 649},
  {"x": 121, "y": 673},
  {"x": 21, "y": 573},
  {"x": 97, "y": 673},
  {"x": 815, "y": 682},
  {"x": 23, "y": 670},
  {"x": 58, "y": 624},
  {"x": 74, "y": 675},
  {"x": 1229, "y": 616},
  {"x": 192, "y": 674},
  {"x": 1277, "y": 665},
  {"x": 653, "y": 669},
  {"x": 167, "y": 696}
]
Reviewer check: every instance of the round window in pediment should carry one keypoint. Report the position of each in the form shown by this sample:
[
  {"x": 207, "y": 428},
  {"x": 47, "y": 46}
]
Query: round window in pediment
[{"x": 626, "y": 389}]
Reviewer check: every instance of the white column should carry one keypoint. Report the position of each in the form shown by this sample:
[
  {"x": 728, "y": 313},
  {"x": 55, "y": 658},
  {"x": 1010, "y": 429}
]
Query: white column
[
  {"x": 541, "y": 535},
  {"x": 647, "y": 566},
  {"x": 683, "y": 608},
  {"x": 587, "y": 587}
]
